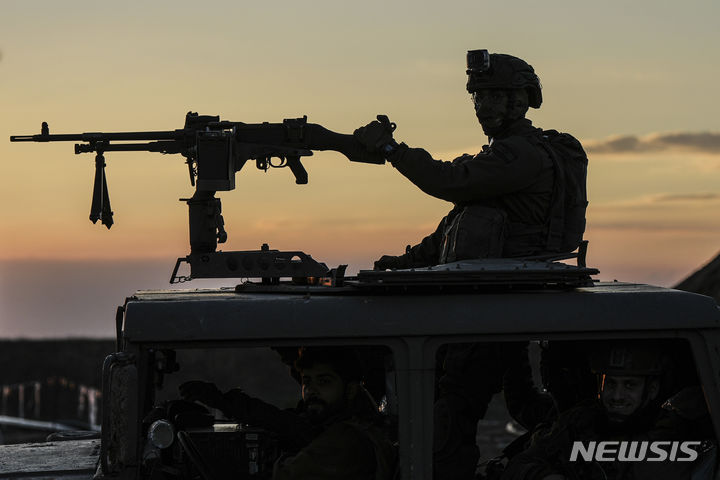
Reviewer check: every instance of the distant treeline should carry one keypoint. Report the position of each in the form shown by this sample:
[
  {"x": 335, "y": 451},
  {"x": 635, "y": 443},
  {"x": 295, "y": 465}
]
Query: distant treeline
[{"x": 79, "y": 360}]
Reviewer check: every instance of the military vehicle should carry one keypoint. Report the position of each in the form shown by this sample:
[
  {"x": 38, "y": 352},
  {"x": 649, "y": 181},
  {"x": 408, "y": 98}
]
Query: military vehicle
[{"x": 399, "y": 320}]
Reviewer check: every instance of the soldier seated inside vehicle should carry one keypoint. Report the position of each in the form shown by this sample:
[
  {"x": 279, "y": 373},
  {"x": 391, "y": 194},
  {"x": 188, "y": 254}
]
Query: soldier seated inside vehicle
[
  {"x": 336, "y": 430},
  {"x": 641, "y": 399}
]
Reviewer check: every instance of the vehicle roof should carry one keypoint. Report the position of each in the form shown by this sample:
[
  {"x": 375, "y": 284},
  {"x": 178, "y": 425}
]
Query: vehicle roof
[{"x": 327, "y": 312}]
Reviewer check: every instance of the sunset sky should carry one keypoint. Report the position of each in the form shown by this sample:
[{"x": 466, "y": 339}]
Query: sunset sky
[{"x": 636, "y": 82}]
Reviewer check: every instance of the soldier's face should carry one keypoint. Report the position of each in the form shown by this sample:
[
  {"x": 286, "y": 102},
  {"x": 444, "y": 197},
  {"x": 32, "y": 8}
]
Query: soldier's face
[
  {"x": 491, "y": 108},
  {"x": 324, "y": 392},
  {"x": 624, "y": 395}
]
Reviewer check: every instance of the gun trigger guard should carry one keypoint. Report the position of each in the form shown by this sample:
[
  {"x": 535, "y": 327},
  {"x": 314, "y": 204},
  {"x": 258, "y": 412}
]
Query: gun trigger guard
[{"x": 283, "y": 162}]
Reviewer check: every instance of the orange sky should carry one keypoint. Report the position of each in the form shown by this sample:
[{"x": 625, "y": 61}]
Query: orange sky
[{"x": 639, "y": 70}]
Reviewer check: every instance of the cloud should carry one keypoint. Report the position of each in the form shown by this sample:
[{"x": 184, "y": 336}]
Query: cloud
[
  {"x": 691, "y": 197},
  {"x": 704, "y": 142},
  {"x": 660, "y": 200}
]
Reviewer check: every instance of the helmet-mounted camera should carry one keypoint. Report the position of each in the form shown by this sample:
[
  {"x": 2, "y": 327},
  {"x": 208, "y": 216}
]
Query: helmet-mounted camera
[{"x": 478, "y": 61}]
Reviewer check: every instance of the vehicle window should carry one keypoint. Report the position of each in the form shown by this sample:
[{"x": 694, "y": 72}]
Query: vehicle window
[
  {"x": 258, "y": 371},
  {"x": 498, "y": 408},
  {"x": 246, "y": 412}
]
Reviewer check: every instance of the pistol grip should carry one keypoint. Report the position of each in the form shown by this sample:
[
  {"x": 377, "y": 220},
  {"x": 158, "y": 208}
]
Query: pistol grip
[{"x": 297, "y": 168}]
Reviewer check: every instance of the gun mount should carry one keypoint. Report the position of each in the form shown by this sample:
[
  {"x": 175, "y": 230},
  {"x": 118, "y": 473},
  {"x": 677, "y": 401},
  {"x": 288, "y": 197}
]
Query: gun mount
[{"x": 214, "y": 151}]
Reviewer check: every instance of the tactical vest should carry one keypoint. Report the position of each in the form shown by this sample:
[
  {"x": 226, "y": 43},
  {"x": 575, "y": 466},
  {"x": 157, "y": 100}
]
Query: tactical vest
[
  {"x": 473, "y": 231},
  {"x": 484, "y": 230}
]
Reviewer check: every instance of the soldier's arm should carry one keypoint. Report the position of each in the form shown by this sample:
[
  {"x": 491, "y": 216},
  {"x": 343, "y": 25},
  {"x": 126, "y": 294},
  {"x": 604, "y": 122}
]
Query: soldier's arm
[
  {"x": 550, "y": 445},
  {"x": 294, "y": 430},
  {"x": 505, "y": 169}
]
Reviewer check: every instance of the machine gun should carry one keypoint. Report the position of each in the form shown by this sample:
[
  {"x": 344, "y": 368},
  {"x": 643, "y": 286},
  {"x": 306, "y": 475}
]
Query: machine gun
[{"x": 214, "y": 150}]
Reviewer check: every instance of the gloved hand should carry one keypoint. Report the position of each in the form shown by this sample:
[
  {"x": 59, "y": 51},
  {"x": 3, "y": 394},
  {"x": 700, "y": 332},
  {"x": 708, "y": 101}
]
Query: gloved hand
[
  {"x": 375, "y": 134},
  {"x": 205, "y": 392},
  {"x": 390, "y": 261}
]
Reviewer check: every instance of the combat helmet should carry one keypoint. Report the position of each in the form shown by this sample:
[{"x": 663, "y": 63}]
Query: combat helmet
[
  {"x": 497, "y": 70},
  {"x": 629, "y": 358}
]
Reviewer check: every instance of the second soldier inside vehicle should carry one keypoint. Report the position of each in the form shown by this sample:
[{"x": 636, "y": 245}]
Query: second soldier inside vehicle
[{"x": 633, "y": 414}]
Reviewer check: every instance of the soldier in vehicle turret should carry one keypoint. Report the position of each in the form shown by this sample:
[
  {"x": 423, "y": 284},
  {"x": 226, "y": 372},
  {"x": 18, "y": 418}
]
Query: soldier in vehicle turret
[
  {"x": 524, "y": 194},
  {"x": 631, "y": 407},
  {"x": 335, "y": 433}
]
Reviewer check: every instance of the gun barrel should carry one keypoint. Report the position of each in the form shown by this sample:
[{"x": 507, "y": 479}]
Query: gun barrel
[
  {"x": 46, "y": 138},
  {"x": 99, "y": 136}
]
